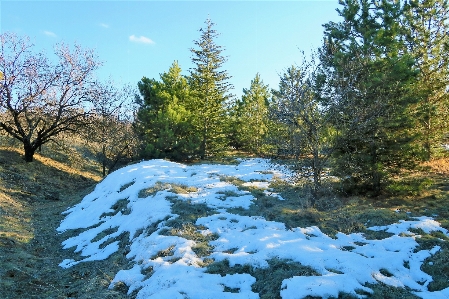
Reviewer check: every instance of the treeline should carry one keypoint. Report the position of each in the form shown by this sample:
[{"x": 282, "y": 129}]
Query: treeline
[{"x": 371, "y": 102}]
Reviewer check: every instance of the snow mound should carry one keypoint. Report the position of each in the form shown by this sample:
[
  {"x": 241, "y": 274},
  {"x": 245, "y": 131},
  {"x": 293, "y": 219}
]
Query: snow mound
[{"x": 346, "y": 263}]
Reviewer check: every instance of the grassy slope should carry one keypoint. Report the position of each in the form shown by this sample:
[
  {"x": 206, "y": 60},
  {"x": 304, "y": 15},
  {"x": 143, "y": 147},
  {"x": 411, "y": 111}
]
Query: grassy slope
[
  {"x": 32, "y": 198},
  {"x": 33, "y": 195},
  {"x": 334, "y": 214}
]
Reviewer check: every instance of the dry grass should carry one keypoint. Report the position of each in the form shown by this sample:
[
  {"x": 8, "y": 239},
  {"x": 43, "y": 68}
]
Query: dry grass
[
  {"x": 48, "y": 162},
  {"x": 438, "y": 166},
  {"x": 268, "y": 280},
  {"x": 32, "y": 198},
  {"x": 15, "y": 220}
]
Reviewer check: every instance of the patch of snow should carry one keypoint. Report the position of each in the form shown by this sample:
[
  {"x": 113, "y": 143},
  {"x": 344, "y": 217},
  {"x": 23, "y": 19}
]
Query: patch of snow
[
  {"x": 259, "y": 185},
  {"x": 427, "y": 224},
  {"x": 345, "y": 263}
]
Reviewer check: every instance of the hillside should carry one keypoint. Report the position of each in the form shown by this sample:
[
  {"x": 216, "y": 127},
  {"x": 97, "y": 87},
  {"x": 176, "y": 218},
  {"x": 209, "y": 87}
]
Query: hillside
[{"x": 33, "y": 196}]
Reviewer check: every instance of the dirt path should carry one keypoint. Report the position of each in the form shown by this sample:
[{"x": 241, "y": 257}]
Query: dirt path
[{"x": 32, "y": 198}]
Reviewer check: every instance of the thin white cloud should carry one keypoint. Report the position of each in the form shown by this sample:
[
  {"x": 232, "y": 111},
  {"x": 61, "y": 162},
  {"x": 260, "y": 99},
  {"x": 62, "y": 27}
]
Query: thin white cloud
[
  {"x": 104, "y": 25},
  {"x": 49, "y": 33},
  {"x": 140, "y": 39}
]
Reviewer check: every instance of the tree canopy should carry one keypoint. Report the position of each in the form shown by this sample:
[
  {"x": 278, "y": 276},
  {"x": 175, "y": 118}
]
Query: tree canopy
[
  {"x": 38, "y": 99},
  {"x": 369, "y": 77},
  {"x": 165, "y": 117}
]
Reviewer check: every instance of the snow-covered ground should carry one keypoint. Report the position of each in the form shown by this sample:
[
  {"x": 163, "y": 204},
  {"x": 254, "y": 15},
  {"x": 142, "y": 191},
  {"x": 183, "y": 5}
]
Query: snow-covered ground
[{"x": 345, "y": 264}]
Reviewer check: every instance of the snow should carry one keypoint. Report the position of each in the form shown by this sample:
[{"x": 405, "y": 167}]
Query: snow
[{"x": 346, "y": 263}]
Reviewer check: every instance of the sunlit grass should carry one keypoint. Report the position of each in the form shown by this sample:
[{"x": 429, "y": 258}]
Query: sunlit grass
[
  {"x": 440, "y": 165},
  {"x": 21, "y": 184},
  {"x": 48, "y": 162},
  {"x": 15, "y": 220}
]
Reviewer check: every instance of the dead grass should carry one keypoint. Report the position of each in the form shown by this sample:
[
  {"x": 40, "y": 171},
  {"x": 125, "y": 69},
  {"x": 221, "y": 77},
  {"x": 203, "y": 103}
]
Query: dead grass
[
  {"x": 150, "y": 191},
  {"x": 15, "y": 218},
  {"x": 268, "y": 280},
  {"x": 32, "y": 198},
  {"x": 160, "y": 186},
  {"x": 48, "y": 162},
  {"x": 183, "y": 189},
  {"x": 438, "y": 166}
]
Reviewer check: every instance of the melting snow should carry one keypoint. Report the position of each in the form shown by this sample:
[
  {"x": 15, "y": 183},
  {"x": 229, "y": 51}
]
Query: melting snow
[{"x": 346, "y": 263}]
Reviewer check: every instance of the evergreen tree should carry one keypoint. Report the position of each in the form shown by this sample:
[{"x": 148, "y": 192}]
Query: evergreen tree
[
  {"x": 427, "y": 39},
  {"x": 210, "y": 91},
  {"x": 163, "y": 120},
  {"x": 369, "y": 79},
  {"x": 296, "y": 105},
  {"x": 251, "y": 123}
]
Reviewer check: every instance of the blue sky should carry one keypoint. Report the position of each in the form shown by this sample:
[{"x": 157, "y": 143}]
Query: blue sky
[{"x": 143, "y": 38}]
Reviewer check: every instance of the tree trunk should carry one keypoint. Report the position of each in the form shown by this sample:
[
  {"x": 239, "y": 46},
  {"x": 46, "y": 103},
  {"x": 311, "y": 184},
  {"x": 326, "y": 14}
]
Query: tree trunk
[
  {"x": 427, "y": 142},
  {"x": 29, "y": 151},
  {"x": 428, "y": 150},
  {"x": 316, "y": 169},
  {"x": 104, "y": 160},
  {"x": 375, "y": 170},
  {"x": 203, "y": 146}
]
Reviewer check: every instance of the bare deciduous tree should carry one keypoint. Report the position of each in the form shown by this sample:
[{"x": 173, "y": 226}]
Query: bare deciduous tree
[
  {"x": 40, "y": 99},
  {"x": 110, "y": 134}
]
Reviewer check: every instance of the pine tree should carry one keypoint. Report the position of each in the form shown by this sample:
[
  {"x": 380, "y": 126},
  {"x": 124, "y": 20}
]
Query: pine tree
[
  {"x": 427, "y": 39},
  {"x": 251, "y": 123},
  {"x": 210, "y": 91},
  {"x": 297, "y": 106},
  {"x": 369, "y": 79},
  {"x": 163, "y": 119}
]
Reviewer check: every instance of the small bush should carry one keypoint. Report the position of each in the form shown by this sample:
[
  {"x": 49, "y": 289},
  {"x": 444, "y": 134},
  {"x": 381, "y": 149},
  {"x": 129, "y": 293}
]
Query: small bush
[{"x": 409, "y": 187}]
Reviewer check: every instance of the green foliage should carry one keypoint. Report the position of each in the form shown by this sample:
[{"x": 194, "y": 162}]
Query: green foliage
[
  {"x": 427, "y": 39},
  {"x": 296, "y": 107},
  {"x": 164, "y": 119},
  {"x": 369, "y": 78},
  {"x": 250, "y": 124},
  {"x": 210, "y": 97},
  {"x": 409, "y": 187}
]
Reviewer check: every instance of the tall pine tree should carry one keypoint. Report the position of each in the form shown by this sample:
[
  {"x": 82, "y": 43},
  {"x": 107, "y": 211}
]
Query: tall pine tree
[
  {"x": 369, "y": 79},
  {"x": 427, "y": 25},
  {"x": 251, "y": 123},
  {"x": 210, "y": 91}
]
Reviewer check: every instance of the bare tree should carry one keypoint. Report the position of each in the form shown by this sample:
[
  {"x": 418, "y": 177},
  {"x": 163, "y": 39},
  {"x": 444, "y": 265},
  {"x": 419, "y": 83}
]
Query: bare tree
[
  {"x": 39, "y": 99},
  {"x": 110, "y": 134}
]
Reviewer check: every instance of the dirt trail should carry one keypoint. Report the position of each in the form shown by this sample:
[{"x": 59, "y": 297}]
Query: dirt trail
[{"x": 32, "y": 198}]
